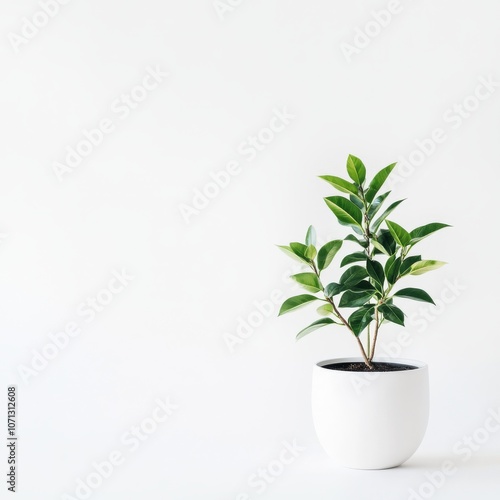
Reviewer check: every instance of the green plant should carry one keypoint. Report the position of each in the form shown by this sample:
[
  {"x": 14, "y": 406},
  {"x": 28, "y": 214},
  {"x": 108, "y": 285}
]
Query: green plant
[{"x": 367, "y": 285}]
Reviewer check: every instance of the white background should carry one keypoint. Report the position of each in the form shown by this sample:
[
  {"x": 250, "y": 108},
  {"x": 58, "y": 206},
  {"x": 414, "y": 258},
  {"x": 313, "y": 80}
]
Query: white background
[{"x": 194, "y": 281}]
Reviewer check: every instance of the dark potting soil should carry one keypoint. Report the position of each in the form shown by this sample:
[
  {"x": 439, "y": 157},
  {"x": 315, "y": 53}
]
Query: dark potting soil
[{"x": 377, "y": 367}]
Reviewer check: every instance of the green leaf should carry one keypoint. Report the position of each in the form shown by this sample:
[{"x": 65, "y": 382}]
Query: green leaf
[
  {"x": 356, "y": 229},
  {"x": 379, "y": 247},
  {"x": 286, "y": 249},
  {"x": 309, "y": 281},
  {"x": 300, "y": 250},
  {"x": 356, "y": 169},
  {"x": 294, "y": 302},
  {"x": 393, "y": 314},
  {"x": 351, "y": 237},
  {"x": 375, "y": 226},
  {"x": 376, "y": 272},
  {"x": 362, "y": 286},
  {"x": 407, "y": 263},
  {"x": 353, "y": 257},
  {"x": 414, "y": 294},
  {"x": 422, "y": 232},
  {"x": 311, "y": 252},
  {"x": 361, "y": 318},
  {"x": 345, "y": 210},
  {"x": 378, "y": 181},
  {"x": 357, "y": 202},
  {"x": 340, "y": 184},
  {"x": 401, "y": 235},
  {"x": 377, "y": 204},
  {"x": 314, "y": 326},
  {"x": 388, "y": 263},
  {"x": 353, "y": 276},
  {"x": 392, "y": 269},
  {"x": 333, "y": 289},
  {"x": 327, "y": 252},
  {"x": 311, "y": 236},
  {"x": 425, "y": 266},
  {"x": 386, "y": 240},
  {"x": 325, "y": 310},
  {"x": 355, "y": 299}
]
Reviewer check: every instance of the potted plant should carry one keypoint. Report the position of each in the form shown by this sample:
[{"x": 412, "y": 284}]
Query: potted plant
[{"x": 380, "y": 424}]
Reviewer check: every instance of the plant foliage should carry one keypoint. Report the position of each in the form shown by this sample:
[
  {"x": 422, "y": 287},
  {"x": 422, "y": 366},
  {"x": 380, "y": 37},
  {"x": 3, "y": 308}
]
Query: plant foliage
[{"x": 364, "y": 296}]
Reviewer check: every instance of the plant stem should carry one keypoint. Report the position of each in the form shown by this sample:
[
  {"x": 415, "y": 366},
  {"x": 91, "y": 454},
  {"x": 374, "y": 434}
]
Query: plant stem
[
  {"x": 375, "y": 334},
  {"x": 368, "y": 341},
  {"x": 367, "y": 235},
  {"x": 345, "y": 322},
  {"x": 341, "y": 318}
]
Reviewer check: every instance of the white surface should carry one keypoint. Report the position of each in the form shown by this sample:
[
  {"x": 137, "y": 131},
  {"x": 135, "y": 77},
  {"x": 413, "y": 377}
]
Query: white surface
[{"x": 163, "y": 335}]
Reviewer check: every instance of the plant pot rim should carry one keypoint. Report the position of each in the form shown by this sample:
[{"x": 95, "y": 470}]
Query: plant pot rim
[{"x": 398, "y": 361}]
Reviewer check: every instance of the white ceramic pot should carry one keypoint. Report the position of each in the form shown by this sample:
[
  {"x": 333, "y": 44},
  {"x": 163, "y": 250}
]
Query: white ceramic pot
[{"x": 370, "y": 420}]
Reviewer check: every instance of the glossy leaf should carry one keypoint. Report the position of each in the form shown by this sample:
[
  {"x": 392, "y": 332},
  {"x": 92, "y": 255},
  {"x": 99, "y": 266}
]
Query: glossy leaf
[
  {"x": 355, "y": 299},
  {"x": 357, "y": 202},
  {"x": 300, "y": 250},
  {"x": 353, "y": 276},
  {"x": 385, "y": 239},
  {"x": 327, "y": 252},
  {"x": 353, "y": 257},
  {"x": 309, "y": 281},
  {"x": 376, "y": 272},
  {"x": 311, "y": 252},
  {"x": 392, "y": 270},
  {"x": 340, "y": 184},
  {"x": 311, "y": 236},
  {"x": 294, "y": 302},
  {"x": 333, "y": 289},
  {"x": 378, "y": 182},
  {"x": 379, "y": 247},
  {"x": 375, "y": 226},
  {"x": 286, "y": 249},
  {"x": 415, "y": 294},
  {"x": 389, "y": 263},
  {"x": 425, "y": 266},
  {"x": 362, "y": 286},
  {"x": 314, "y": 326},
  {"x": 422, "y": 232},
  {"x": 401, "y": 235},
  {"x": 356, "y": 229},
  {"x": 377, "y": 204},
  {"x": 407, "y": 263},
  {"x": 393, "y": 314},
  {"x": 351, "y": 237},
  {"x": 345, "y": 210},
  {"x": 356, "y": 169},
  {"x": 325, "y": 310},
  {"x": 361, "y": 318}
]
